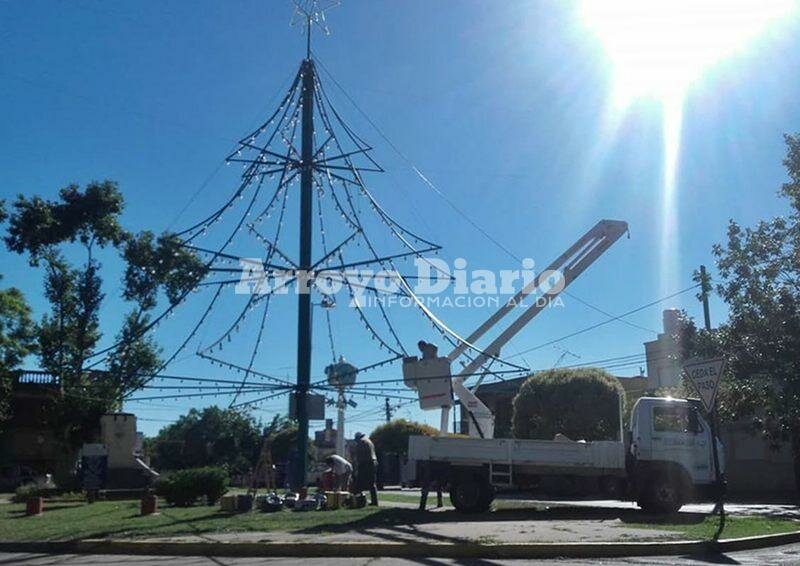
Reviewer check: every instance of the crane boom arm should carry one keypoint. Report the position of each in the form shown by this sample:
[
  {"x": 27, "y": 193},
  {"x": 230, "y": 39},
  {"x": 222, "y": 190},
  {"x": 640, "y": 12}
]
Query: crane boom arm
[{"x": 570, "y": 265}]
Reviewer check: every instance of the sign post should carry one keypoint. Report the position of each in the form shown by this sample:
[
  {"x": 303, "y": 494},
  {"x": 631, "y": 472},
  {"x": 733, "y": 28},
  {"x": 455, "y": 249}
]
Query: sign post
[{"x": 705, "y": 376}]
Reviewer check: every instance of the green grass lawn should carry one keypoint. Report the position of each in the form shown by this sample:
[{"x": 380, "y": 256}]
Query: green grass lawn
[
  {"x": 70, "y": 520},
  {"x": 735, "y": 527},
  {"x": 693, "y": 526},
  {"x": 400, "y": 497},
  {"x": 120, "y": 519}
]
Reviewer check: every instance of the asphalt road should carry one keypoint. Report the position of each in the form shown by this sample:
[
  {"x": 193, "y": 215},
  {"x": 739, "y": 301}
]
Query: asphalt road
[{"x": 789, "y": 554}]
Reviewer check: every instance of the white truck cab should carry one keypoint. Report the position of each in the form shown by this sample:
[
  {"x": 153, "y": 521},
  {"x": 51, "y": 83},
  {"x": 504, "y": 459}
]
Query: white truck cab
[
  {"x": 671, "y": 446},
  {"x": 673, "y": 430}
]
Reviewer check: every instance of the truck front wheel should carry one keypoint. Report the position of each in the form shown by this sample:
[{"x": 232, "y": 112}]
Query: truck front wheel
[
  {"x": 471, "y": 495},
  {"x": 662, "y": 495}
]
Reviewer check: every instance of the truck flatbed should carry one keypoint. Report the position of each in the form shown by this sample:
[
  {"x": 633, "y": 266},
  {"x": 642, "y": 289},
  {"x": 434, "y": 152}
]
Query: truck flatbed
[{"x": 598, "y": 458}]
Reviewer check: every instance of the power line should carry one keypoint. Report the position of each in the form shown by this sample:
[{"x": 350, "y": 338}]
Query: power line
[
  {"x": 411, "y": 164},
  {"x": 599, "y": 324},
  {"x": 453, "y": 205}
]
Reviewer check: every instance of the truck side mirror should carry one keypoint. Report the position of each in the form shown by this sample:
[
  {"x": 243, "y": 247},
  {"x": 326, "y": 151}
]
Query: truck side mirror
[{"x": 694, "y": 422}]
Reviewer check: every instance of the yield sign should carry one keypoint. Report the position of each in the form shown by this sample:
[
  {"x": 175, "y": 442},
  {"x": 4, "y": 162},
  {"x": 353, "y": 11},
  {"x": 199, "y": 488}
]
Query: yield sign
[{"x": 705, "y": 376}]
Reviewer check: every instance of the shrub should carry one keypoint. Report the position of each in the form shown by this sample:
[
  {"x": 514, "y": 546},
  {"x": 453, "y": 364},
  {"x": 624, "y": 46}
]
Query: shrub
[
  {"x": 184, "y": 487},
  {"x": 582, "y": 404},
  {"x": 26, "y": 491},
  {"x": 392, "y": 437}
]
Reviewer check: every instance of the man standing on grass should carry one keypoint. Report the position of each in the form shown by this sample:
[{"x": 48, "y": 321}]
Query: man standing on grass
[{"x": 366, "y": 467}]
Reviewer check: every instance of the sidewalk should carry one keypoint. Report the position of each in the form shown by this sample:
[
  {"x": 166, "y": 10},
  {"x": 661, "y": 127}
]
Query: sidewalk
[
  {"x": 486, "y": 532},
  {"x": 741, "y": 508},
  {"x": 395, "y": 530}
]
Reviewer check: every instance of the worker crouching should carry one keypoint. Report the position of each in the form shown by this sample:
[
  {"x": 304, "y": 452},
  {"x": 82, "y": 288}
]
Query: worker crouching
[{"x": 342, "y": 470}]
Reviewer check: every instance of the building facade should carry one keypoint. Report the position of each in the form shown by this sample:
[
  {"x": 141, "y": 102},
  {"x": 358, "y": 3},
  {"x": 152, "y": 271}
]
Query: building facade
[
  {"x": 31, "y": 436},
  {"x": 664, "y": 355}
]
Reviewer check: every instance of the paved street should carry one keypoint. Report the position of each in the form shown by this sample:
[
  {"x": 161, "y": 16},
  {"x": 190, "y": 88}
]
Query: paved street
[
  {"x": 789, "y": 554},
  {"x": 541, "y": 520}
]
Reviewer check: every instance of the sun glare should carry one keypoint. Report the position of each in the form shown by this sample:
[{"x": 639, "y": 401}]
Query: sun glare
[{"x": 658, "y": 48}]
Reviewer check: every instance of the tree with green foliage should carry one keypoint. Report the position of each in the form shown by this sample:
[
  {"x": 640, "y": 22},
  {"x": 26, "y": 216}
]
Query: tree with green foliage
[
  {"x": 759, "y": 272},
  {"x": 69, "y": 334},
  {"x": 17, "y": 341},
  {"x": 226, "y": 438},
  {"x": 392, "y": 437},
  {"x": 580, "y": 403},
  {"x": 281, "y": 439}
]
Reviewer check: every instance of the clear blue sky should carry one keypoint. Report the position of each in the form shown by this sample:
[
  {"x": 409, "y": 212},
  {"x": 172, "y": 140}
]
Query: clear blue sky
[{"x": 503, "y": 105}]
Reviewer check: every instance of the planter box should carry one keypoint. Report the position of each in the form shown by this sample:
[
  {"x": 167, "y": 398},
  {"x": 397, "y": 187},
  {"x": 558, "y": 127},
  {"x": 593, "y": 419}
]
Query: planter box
[{"x": 34, "y": 506}]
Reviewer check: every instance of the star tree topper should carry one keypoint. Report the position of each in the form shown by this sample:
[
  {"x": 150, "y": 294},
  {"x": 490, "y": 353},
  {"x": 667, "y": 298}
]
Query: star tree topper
[{"x": 310, "y": 13}]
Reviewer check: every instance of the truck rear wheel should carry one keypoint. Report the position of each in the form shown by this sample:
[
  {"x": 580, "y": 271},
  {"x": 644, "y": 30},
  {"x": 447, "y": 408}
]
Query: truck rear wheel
[
  {"x": 471, "y": 495},
  {"x": 662, "y": 495}
]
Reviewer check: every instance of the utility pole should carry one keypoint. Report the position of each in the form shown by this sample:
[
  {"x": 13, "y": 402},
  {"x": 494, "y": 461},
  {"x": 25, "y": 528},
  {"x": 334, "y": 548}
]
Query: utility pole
[
  {"x": 705, "y": 290},
  {"x": 341, "y": 405},
  {"x": 304, "y": 267},
  {"x": 388, "y": 408}
]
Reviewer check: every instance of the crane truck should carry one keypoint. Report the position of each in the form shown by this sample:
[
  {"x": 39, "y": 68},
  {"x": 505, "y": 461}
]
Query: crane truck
[{"x": 662, "y": 461}]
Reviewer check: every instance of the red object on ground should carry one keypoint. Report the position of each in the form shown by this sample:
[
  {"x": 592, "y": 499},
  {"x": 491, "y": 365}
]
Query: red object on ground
[
  {"x": 149, "y": 505},
  {"x": 326, "y": 481},
  {"x": 34, "y": 506}
]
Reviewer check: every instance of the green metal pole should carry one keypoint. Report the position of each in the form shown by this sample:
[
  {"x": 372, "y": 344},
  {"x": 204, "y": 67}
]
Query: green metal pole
[
  {"x": 705, "y": 288},
  {"x": 718, "y": 476},
  {"x": 303, "y": 281}
]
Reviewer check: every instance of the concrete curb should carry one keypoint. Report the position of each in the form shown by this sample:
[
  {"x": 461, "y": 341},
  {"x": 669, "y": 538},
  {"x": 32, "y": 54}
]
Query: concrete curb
[{"x": 400, "y": 550}]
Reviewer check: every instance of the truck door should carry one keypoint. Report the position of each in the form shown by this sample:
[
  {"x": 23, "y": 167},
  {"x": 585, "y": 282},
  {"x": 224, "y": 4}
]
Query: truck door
[
  {"x": 679, "y": 435},
  {"x": 703, "y": 455}
]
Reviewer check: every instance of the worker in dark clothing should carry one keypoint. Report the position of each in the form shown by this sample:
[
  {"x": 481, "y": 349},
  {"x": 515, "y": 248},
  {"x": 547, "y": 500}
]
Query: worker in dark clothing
[
  {"x": 366, "y": 471},
  {"x": 429, "y": 351},
  {"x": 430, "y": 478}
]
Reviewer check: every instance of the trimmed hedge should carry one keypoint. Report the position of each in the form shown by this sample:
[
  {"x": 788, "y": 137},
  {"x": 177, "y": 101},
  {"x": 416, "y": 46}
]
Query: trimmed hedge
[
  {"x": 183, "y": 488},
  {"x": 581, "y": 403},
  {"x": 392, "y": 437}
]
